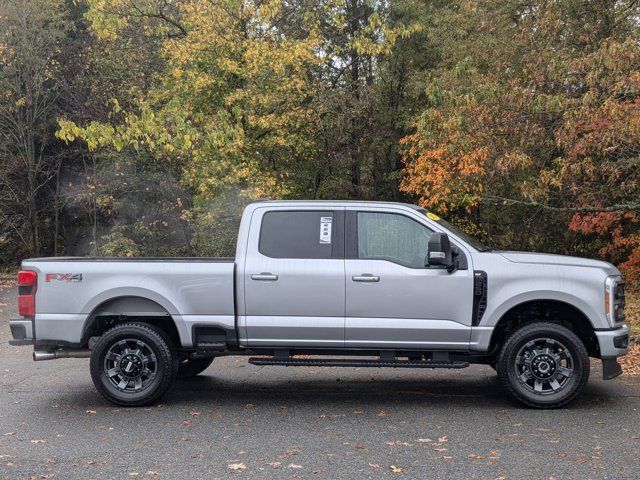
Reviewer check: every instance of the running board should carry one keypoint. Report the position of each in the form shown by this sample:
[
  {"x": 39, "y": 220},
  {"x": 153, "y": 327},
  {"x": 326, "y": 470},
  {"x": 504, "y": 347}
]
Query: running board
[{"x": 337, "y": 362}]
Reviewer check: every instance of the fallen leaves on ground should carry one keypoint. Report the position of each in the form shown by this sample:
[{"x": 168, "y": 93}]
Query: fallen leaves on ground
[
  {"x": 631, "y": 362},
  {"x": 236, "y": 466},
  {"x": 36, "y": 441},
  {"x": 4, "y": 283},
  {"x": 289, "y": 453},
  {"x": 396, "y": 469},
  {"x": 475, "y": 455}
]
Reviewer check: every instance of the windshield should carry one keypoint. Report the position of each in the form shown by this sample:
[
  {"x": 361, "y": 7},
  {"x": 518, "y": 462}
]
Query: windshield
[{"x": 478, "y": 245}]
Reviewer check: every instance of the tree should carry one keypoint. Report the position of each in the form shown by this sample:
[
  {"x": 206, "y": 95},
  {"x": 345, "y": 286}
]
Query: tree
[
  {"x": 540, "y": 135},
  {"x": 32, "y": 35}
]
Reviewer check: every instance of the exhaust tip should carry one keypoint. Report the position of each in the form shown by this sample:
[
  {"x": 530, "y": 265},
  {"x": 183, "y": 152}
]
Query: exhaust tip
[{"x": 40, "y": 356}]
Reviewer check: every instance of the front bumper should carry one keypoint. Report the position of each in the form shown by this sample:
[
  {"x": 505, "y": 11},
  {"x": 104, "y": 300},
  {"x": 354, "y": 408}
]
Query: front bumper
[
  {"x": 613, "y": 342},
  {"x": 21, "y": 331}
]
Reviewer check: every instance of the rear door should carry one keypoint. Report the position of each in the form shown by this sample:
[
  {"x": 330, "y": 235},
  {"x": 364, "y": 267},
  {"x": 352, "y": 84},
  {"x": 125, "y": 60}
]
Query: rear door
[{"x": 294, "y": 278}]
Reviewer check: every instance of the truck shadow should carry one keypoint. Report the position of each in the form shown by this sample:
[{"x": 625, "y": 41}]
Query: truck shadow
[{"x": 483, "y": 392}]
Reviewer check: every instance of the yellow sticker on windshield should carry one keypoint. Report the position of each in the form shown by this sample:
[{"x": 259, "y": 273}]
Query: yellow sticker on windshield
[{"x": 433, "y": 216}]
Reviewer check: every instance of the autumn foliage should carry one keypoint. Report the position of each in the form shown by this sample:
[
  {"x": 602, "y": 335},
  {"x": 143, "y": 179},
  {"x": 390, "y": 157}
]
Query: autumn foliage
[
  {"x": 549, "y": 122},
  {"x": 157, "y": 121}
]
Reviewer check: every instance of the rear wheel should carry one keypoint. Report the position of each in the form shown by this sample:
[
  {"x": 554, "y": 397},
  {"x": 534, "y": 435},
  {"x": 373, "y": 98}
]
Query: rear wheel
[
  {"x": 133, "y": 364},
  {"x": 193, "y": 366},
  {"x": 544, "y": 365}
]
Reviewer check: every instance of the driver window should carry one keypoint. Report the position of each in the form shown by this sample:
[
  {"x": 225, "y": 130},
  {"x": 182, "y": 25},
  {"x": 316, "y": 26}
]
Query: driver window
[{"x": 392, "y": 237}]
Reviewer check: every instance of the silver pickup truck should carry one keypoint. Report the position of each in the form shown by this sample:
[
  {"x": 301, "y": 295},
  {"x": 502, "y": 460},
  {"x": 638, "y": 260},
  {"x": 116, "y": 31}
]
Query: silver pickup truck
[{"x": 330, "y": 283}]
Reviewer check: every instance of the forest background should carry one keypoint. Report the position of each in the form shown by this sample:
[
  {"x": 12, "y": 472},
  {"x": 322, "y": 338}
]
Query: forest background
[{"x": 143, "y": 127}]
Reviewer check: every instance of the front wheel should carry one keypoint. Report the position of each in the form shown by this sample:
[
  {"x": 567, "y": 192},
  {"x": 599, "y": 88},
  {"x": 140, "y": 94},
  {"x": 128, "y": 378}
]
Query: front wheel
[
  {"x": 543, "y": 365},
  {"x": 133, "y": 364}
]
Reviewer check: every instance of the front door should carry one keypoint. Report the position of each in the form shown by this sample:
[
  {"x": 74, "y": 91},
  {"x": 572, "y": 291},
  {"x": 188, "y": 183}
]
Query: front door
[
  {"x": 294, "y": 278},
  {"x": 393, "y": 300}
]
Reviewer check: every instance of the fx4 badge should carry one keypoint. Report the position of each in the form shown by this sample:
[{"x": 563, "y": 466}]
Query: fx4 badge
[{"x": 63, "y": 277}]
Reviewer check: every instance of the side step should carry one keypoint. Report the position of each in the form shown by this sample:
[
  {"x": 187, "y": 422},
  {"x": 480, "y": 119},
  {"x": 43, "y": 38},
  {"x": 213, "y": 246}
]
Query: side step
[{"x": 337, "y": 362}]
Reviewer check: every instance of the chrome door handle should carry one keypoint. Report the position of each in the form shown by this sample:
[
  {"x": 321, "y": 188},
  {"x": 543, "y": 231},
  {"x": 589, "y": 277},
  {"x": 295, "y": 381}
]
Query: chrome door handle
[
  {"x": 264, "y": 276},
  {"x": 365, "y": 277}
]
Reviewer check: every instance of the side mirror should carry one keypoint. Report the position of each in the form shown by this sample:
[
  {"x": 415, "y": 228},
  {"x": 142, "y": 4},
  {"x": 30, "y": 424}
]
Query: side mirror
[{"x": 440, "y": 252}]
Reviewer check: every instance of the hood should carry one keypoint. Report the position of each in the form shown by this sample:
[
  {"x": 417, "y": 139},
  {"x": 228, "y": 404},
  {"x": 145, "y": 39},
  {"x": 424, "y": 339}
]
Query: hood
[{"x": 559, "y": 260}]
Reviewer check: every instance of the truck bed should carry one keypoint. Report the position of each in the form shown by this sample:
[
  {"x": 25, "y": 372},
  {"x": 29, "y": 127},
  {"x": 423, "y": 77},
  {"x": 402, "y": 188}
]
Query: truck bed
[{"x": 71, "y": 291}]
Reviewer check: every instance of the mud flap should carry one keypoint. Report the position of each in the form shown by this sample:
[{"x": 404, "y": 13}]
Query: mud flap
[{"x": 610, "y": 368}]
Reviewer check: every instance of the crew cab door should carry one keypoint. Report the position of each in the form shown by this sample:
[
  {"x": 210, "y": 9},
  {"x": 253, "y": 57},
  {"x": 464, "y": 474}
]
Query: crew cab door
[
  {"x": 294, "y": 290},
  {"x": 393, "y": 300}
]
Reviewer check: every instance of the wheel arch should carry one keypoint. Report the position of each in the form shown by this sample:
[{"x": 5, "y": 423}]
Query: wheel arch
[
  {"x": 126, "y": 305},
  {"x": 546, "y": 310}
]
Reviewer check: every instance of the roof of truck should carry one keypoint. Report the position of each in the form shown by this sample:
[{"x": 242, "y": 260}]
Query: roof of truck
[{"x": 346, "y": 202}]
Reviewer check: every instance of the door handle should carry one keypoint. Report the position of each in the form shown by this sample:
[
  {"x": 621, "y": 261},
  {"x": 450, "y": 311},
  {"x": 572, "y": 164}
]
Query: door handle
[
  {"x": 264, "y": 276},
  {"x": 365, "y": 277}
]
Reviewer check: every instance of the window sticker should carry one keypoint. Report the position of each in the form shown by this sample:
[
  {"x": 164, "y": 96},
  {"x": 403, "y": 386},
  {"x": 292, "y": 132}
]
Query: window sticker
[{"x": 325, "y": 230}]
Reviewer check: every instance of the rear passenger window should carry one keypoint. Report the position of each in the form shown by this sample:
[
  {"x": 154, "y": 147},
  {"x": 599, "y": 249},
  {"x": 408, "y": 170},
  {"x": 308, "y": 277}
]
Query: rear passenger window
[{"x": 297, "y": 234}]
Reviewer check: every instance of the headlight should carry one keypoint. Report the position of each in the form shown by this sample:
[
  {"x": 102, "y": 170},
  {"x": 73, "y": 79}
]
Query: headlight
[{"x": 614, "y": 300}]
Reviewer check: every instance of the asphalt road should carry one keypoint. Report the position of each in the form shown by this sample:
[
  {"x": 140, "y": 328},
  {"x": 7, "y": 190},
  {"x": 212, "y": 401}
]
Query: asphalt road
[{"x": 241, "y": 421}]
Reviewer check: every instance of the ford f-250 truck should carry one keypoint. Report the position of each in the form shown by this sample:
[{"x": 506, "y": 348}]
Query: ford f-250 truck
[{"x": 330, "y": 283}]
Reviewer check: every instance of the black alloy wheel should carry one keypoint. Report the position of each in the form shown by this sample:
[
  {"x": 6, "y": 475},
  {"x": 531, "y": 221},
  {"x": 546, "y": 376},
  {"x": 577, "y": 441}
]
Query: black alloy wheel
[
  {"x": 543, "y": 365},
  {"x": 133, "y": 364}
]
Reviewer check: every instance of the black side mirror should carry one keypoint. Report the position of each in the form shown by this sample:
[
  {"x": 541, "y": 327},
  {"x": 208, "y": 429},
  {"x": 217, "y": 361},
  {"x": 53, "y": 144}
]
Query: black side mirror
[{"x": 440, "y": 252}]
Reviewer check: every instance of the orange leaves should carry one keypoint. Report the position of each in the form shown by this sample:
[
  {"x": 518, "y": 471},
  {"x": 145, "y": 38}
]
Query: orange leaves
[
  {"x": 446, "y": 159},
  {"x": 444, "y": 179},
  {"x": 619, "y": 232}
]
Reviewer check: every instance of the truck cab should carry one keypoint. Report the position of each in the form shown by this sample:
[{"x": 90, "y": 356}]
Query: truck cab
[{"x": 377, "y": 284}]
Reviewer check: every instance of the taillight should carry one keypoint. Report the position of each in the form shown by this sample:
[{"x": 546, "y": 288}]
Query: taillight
[{"x": 27, "y": 285}]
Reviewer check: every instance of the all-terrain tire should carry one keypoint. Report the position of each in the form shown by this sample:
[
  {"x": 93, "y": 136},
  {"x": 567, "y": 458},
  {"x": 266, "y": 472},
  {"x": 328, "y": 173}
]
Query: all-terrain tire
[
  {"x": 531, "y": 360},
  {"x": 131, "y": 348}
]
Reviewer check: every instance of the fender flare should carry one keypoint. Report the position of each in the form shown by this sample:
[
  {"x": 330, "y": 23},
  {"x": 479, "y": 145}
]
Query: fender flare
[
  {"x": 541, "y": 296},
  {"x": 118, "y": 300}
]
